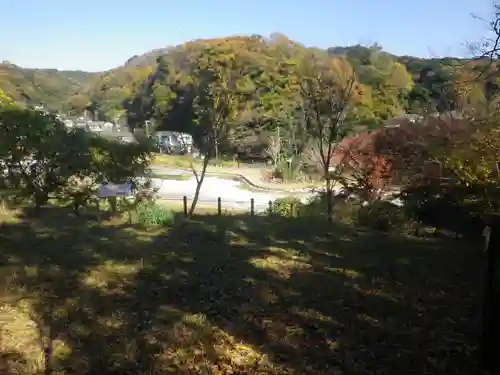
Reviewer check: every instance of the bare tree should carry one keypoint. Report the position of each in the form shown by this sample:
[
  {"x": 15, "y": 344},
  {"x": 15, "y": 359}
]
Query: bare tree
[
  {"x": 327, "y": 91},
  {"x": 274, "y": 146},
  {"x": 490, "y": 46}
]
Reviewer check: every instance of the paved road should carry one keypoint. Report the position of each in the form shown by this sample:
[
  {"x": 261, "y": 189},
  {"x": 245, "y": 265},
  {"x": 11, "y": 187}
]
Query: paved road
[
  {"x": 235, "y": 195},
  {"x": 232, "y": 194}
]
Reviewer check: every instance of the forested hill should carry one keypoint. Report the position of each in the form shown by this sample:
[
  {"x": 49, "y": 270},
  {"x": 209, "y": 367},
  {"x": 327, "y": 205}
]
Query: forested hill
[
  {"x": 49, "y": 87},
  {"x": 388, "y": 85}
]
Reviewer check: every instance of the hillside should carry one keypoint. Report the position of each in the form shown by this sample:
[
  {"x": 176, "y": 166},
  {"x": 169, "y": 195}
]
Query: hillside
[
  {"x": 390, "y": 85},
  {"x": 49, "y": 87}
]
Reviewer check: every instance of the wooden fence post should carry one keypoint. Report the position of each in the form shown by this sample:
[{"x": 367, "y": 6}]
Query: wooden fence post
[
  {"x": 270, "y": 207},
  {"x": 491, "y": 302},
  {"x": 98, "y": 206},
  {"x": 185, "y": 202},
  {"x": 252, "y": 207},
  {"x": 219, "y": 206}
]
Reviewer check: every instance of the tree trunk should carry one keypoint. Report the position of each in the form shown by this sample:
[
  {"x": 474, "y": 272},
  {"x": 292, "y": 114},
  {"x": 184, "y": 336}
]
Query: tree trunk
[
  {"x": 76, "y": 208},
  {"x": 113, "y": 204},
  {"x": 329, "y": 200},
  {"x": 198, "y": 185},
  {"x": 40, "y": 200}
]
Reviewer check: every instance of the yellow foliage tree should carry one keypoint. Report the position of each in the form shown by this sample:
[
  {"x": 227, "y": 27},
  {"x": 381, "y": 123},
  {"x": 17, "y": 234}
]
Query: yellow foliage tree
[{"x": 4, "y": 99}]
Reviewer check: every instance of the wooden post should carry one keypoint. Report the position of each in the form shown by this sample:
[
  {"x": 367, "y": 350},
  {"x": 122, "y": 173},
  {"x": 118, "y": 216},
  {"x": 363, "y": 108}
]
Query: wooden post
[
  {"x": 98, "y": 206},
  {"x": 219, "y": 206},
  {"x": 252, "y": 206},
  {"x": 291, "y": 210},
  {"x": 491, "y": 302},
  {"x": 270, "y": 207},
  {"x": 185, "y": 202}
]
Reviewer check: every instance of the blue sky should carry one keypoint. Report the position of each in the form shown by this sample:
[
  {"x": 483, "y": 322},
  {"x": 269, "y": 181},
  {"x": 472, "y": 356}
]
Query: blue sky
[{"x": 97, "y": 35}]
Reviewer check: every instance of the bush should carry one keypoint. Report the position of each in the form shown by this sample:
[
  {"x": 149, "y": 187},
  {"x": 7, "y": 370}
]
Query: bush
[
  {"x": 287, "y": 171},
  {"x": 150, "y": 214},
  {"x": 344, "y": 209},
  {"x": 288, "y": 207},
  {"x": 384, "y": 216}
]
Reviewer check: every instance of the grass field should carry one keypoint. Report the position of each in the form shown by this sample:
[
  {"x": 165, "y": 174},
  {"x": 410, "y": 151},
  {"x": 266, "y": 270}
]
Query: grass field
[
  {"x": 232, "y": 295},
  {"x": 186, "y": 161}
]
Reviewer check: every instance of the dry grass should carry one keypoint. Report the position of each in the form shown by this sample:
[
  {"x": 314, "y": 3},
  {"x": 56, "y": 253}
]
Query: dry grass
[
  {"x": 233, "y": 295},
  {"x": 185, "y": 161}
]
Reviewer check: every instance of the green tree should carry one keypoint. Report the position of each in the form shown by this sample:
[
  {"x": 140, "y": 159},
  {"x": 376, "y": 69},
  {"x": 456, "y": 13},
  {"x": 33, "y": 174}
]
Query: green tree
[
  {"x": 328, "y": 88},
  {"x": 4, "y": 99},
  {"x": 44, "y": 160},
  {"x": 215, "y": 104},
  {"x": 37, "y": 151}
]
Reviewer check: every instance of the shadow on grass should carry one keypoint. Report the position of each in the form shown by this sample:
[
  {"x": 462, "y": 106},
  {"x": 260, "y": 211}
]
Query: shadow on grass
[{"x": 244, "y": 294}]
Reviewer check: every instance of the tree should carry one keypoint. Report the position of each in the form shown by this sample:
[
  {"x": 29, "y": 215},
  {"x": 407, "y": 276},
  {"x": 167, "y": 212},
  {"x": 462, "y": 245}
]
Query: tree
[
  {"x": 44, "y": 160},
  {"x": 274, "y": 147},
  {"x": 105, "y": 161},
  {"x": 327, "y": 88},
  {"x": 215, "y": 104},
  {"x": 78, "y": 103},
  {"x": 471, "y": 162},
  {"x": 4, "y": 99},
  {"x": 364, "y": 172},
  {"x": 37, "y": 151}
]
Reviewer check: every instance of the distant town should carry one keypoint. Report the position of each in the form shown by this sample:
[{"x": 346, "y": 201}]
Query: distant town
[{"x": 167, "y": 142}]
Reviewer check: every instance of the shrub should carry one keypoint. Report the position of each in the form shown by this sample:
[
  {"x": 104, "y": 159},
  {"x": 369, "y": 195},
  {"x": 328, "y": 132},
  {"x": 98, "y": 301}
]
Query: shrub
[
  {"x": 384, "y": 216},
  {"x": 288, "y": 207},
  {"x": 288, "y": 171},
  {"x": 447, "y": 208},
  {"x": 344, "y": 209},
  {"x": 150, "y": 214}
]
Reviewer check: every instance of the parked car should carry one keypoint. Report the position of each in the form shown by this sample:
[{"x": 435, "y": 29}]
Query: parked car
[
  {"x": 172, "y": 148},
  {"x": 168, "y": 143}
]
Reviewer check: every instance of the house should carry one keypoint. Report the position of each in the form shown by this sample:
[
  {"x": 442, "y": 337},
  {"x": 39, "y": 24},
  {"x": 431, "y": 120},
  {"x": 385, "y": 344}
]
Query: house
[
  {"x": 108, "y": 125},
  {"x": 95, "y": 126},
  {"x": 69, "y": 123},
  {"x": 80, "y": 123}
]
